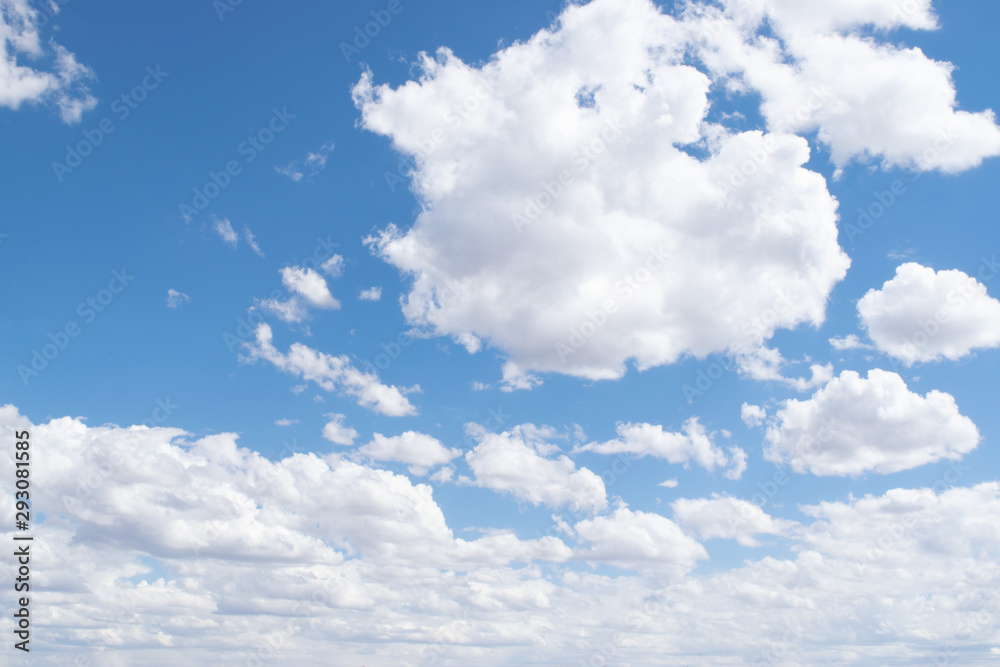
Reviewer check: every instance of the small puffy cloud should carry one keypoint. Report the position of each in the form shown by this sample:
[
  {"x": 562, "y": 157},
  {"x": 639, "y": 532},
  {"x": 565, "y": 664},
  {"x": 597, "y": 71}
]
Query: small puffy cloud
[
  {"x": 669, "y": 484},
  {"x": 737, "y": 463},
  {"x": 337, "y": 432},
  {"x": 421, "y": 452},
  {"x": 311, "y": 286},
  {"x": 370, "y": 294},
  {"x": 333, "y": 267},
  {"x": 849, "y": 342},
  {"x": 308, "y": 288},
  {"x": 728, "y": 518},
  {"x": 332, "y": 373},
  {"x": 519, "y": 462},
  {"x": 175, "y": 298},
  {"x": 312, "y": 164},
  {"x": 693, "y": 444},
  {"x": 639, "y": 541},
  {"x": 55, "y": 77},
  {"x": 855, "y": 425},
  {"x": 752, "y": 415},
  {"x": 285, "y": 422},
  {"x": 765, "y": 364},
  {"x": 925, "y": 315},
  {"x": 443, "y": 475},
  {"x": 291, "y": 310}
]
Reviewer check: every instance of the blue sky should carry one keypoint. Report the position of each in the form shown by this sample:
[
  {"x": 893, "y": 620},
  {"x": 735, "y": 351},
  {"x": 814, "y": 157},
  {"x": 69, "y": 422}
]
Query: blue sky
[{"x": 202, "y": 83}]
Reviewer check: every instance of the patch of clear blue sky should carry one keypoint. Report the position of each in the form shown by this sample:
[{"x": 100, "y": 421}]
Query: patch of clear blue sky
[{"x": 119, "y": 208}]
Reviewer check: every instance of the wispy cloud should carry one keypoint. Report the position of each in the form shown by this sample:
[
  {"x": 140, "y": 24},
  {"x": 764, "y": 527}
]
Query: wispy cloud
[
  {"x": 313, "y": 163},
  {"x": 175, "y": 298}
]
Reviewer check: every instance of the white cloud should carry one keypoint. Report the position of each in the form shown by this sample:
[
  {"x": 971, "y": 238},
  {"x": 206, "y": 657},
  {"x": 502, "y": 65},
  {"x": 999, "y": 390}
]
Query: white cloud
[
  {"x": 752, "y": 415},
  {"x": 728, "y": 518},
  {"x": 332, "y": 373},
  {"x": 175, "y": 298},
  {"x": 693, "y": 444},
  {"x": 669, "y": 484},
  {"x": 308, "y": 288},
  {"x": 308, "y": 284},
  {"x": 258, "y": 547},
  {"x": 333, "y": 267},
  {"x": 291, "y": 310},
  {"x": 20, "y": 39},
  {"x": 421, "y": 452},
  {"x": 518, "y": 462},
  {"x": 906, "y": 525},
  {"x": 290, "y": 171},
  {"x": 849, "y": 342},
  {"x": 337, "y": 432},
  {"x": 312, "y": 164},
  {"x": 443, "y": 475},
  {"x": 923, "y": 315},
  {"x": 765, "y": 364},
  {"x": 370, "y": 294},
  {"x": 224, "y": 229},
  {"x": 638, "y": 225},
  {"x": 864, "y": 98},
  {"x": 855, "y": 425},
  {"x": 737, "y": 463},
  {"x": 638, "y": 540},
  {"x": 284, "y": 421},
  {"x": 251, "y": 241}
]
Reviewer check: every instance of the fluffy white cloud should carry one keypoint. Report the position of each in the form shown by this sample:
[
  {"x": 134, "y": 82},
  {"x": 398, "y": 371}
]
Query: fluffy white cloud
[
  {"x": 927, "y": 315},
  {"x": 752, "y": 415},
  {"x": 865, "y": 99},
  {"x": 855, "y": 424},
  {"x": 849, "y": 342},
  {"x": 596, "y": 238},
  {"x": 694, "y": 444},
  {"x": 599, "y": 237},
  {"x": 202, "y": 548},
  {"x": 421, "y": 452},
  {"x": 729, "y": 518},
  {"x": 639, "y": 540},
  {"x": 311, "y": 286},
  {"x": 518, "y": 462},
  {"x": 919, "y": 521},
  {"x": 370, "y": 294},
  {"x": 20, "y": 39},
  {"x": 308, "y": 288},
  {"x": 332, "y": 373},
  {"x": 337, "y": 432},
  {"x": 765, "y": 364}
]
